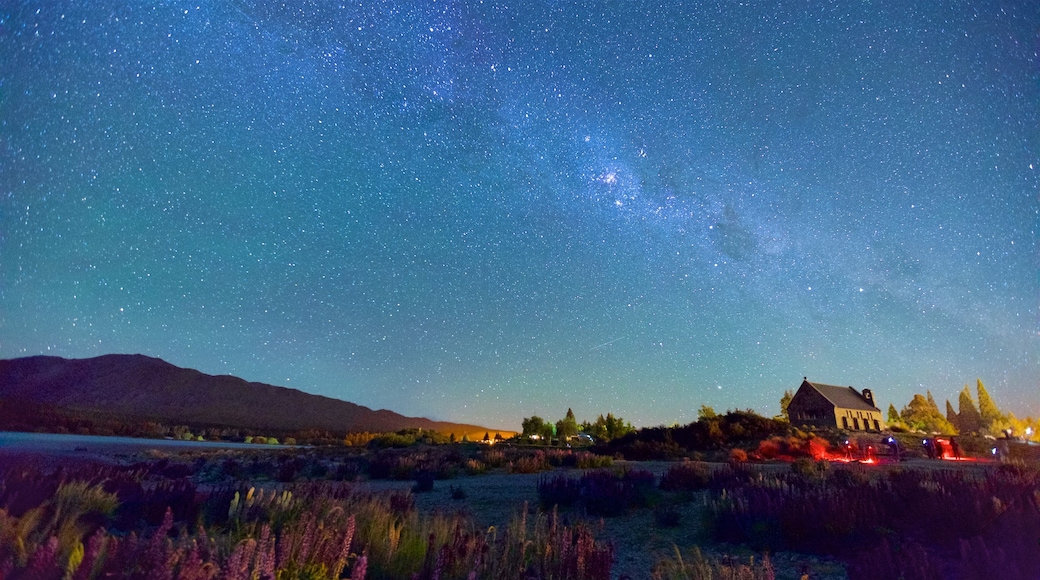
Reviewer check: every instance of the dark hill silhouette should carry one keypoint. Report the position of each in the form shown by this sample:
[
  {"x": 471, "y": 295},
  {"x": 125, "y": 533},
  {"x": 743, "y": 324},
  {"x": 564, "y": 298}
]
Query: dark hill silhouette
[{"x": 141, "y": 386}]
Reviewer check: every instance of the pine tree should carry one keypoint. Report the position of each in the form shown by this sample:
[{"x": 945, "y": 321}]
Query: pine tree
[
  {"x": 952, "y": 417},
  {"x": 988, "y": 410},
  {"x": 784, "y": 402},
  {"x": 931, "y": 402},
  {"x": 893, "y": 415},
  {"x": 567, "y": 427},
  {"x": 970, "y": 421}
]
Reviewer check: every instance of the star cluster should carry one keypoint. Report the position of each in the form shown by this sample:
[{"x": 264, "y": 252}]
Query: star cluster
[{"x": 481, "y": 211}]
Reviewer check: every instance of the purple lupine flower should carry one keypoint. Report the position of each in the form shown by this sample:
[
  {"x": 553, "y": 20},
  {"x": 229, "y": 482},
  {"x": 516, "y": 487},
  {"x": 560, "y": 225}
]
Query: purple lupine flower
[
  {"x": 90, "y": 556},
  {"x": 238, "y": 562},
  {"x": 344, "y": 553},
  {"x": 191, "y": 566},
  {"x": 439, "y": 566},
  {"x": 265, "y": 554},
  {"x": 160, "y": 550},
  {"x": 360, "y": 567},
  {"x": 205, "y": 550},
  {"x": 308, "y": 539},
  {"x": 43, "y": 560}
]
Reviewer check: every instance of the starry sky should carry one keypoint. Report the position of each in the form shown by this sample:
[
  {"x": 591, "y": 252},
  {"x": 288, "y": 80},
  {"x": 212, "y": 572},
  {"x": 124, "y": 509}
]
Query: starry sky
[{"x": 481, "y": 211}]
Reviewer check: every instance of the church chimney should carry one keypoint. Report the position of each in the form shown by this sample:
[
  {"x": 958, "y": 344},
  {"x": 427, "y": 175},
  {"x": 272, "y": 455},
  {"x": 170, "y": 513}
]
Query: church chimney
[{"x": 869, "y": 396}]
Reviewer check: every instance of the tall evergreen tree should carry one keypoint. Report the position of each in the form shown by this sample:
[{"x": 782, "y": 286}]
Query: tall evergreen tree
[
  {"x": 784, "y": 402},
  {"x": 567, "y": 427},
  {"x": 987, "y": 408},
  {"x": 970, "y": 421},
  {"x": 952, "y": 417},
  {"x": 893, "y": 415},
  {"x": 931, "y": 402}
]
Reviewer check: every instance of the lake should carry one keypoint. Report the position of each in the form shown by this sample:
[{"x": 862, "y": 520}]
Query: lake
[{"x": 53, "y": 442}]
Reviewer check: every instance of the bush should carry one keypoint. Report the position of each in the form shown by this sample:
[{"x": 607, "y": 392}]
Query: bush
[
  {"x": 667, "y": 516},
  {"x": 809, "y": 468},
  {"x": 529, "y": 464},
  {"x": 559, "y": 490},
  {"x": 423, "y": 481},
  {"x": 687, "y": 476},
  {"x": 599, "y": 493},
  {"x": 457, "y": 493},
  {"x": 586, "y": 460}
]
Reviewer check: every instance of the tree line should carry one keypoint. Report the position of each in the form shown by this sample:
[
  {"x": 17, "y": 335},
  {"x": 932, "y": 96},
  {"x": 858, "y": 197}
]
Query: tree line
[
  {"x": 973, "y": 416},
  {"x": 537, "y": 430}
]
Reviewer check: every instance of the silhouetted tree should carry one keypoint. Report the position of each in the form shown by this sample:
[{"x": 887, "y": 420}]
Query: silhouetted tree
[
  {"x": 567, "y": 427},
  {"x": 923, "y": 415},
  {"x": 931, "y": 403},
  {"x": 535, "y": 426},
  {"x": 785, "y": 401},
  {"x": 893, "y": 415},
  {"x": 968, "y": 416},
  {"x": 952, "y": 417},
  {"x": 607, "y": 428},
  {"x": 988, "y": 410},
  {"x": 706, "y": 412}
]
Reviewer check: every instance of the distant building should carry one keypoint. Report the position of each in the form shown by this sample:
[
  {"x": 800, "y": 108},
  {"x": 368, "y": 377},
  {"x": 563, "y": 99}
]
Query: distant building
[{"x": 830, "y": 406}]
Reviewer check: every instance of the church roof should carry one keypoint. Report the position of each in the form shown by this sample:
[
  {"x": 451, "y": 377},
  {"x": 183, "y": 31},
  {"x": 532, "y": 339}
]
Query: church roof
[{"x": 844, "y": 397}]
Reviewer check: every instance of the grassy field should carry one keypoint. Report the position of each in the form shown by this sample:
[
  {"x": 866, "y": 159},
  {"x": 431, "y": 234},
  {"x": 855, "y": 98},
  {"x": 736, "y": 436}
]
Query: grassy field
[{"x": 477, "y": 512}]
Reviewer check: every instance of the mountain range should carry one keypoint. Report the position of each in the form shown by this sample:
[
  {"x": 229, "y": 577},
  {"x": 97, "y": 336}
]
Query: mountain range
[{"x": 143, "y": 387}]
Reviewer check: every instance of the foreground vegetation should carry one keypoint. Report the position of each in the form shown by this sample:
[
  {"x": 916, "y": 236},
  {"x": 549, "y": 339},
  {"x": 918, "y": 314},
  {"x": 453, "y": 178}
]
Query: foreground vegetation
[
  {"x": 145, "y": 521},
  {"x": 307, "y": 513}
]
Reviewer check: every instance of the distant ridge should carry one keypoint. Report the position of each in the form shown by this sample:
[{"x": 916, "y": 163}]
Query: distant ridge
[{"x": 142, "y": 386}]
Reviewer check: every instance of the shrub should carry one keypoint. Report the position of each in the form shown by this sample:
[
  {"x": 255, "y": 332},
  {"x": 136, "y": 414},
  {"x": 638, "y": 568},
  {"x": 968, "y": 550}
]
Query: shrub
[
  {"x": 600, "y": 493},
  {"x": 768, "y": 449},
  {"x": 529, "y": 464},
  {"x": 493, "y": 459},
  {"x": 559, "y": 490},
  {"x": 808, "y": 468},
  {"x": 667, "y": 516},
  {"x": 423, "y": 481},
  {"x": 586, "y": 460},
  {"x": 737, "y": 455},
  {"x": 475, "y": 467},
  {"x": 687, "y": 476},
  {"x": 457, "y": 493}
]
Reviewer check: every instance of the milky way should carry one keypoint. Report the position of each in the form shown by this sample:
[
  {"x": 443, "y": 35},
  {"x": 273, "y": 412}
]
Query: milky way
[{"x": 480, "y": 212}]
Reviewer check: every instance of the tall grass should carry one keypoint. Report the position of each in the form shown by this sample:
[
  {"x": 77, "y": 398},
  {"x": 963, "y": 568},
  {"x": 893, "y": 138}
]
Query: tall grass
[
  {"x": 696, "y": 566},
  {"x": 916, "y": 519},
  {"x": 302, "y": 530}
]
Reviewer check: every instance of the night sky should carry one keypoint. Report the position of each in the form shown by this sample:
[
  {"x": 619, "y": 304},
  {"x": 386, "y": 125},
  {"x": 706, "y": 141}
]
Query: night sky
[{"x": 484, "y": 211}]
